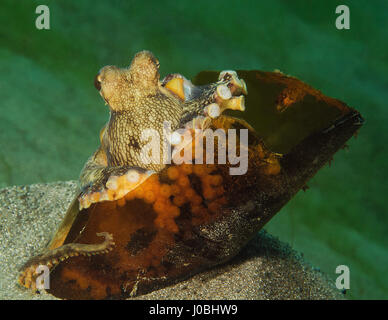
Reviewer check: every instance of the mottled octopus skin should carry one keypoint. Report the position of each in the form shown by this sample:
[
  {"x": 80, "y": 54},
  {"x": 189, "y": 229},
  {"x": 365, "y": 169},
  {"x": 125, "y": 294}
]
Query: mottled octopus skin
[{"x": 181, "y": 219}]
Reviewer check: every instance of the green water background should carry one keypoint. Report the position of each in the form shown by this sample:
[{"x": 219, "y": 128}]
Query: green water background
[{"x": 51, "y": 114}]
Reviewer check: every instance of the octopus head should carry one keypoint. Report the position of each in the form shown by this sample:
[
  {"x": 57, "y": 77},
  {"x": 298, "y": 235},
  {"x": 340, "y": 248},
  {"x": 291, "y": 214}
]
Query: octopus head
[{"x": 121, "y": 87}]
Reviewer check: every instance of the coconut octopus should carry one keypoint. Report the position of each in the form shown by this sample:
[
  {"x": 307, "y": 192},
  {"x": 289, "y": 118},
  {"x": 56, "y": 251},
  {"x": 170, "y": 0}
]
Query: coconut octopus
[{"x": 166, "y": 213}]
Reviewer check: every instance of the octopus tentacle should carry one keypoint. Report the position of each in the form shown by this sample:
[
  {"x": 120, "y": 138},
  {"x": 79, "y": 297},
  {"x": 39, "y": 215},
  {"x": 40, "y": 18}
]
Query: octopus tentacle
[
  {"x": 53, "y": 257},
  {"x": 117, "y": 182},
  {"x": 209, "y": 100}
]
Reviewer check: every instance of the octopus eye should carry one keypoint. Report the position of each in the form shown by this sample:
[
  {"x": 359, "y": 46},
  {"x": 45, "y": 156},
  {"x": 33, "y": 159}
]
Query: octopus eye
[{"x": 97, "y": 82}]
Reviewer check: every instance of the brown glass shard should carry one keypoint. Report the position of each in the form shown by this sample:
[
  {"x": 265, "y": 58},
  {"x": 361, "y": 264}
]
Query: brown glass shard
[
  {"x": 190, "y": 217},
  {"x": 282, "y": 109}
]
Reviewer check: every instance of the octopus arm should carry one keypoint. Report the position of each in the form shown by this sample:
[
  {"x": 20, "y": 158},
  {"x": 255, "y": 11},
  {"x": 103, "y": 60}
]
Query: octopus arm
[
  {"x": 94, "y": 168},
  {"x": 52, "y": 257}
]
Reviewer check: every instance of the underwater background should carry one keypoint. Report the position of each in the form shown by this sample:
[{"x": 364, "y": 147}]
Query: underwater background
[{"x": 51, "y": 113}]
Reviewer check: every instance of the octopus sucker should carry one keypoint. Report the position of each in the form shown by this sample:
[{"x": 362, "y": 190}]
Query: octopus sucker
[{"x": 171, "y": 219}]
